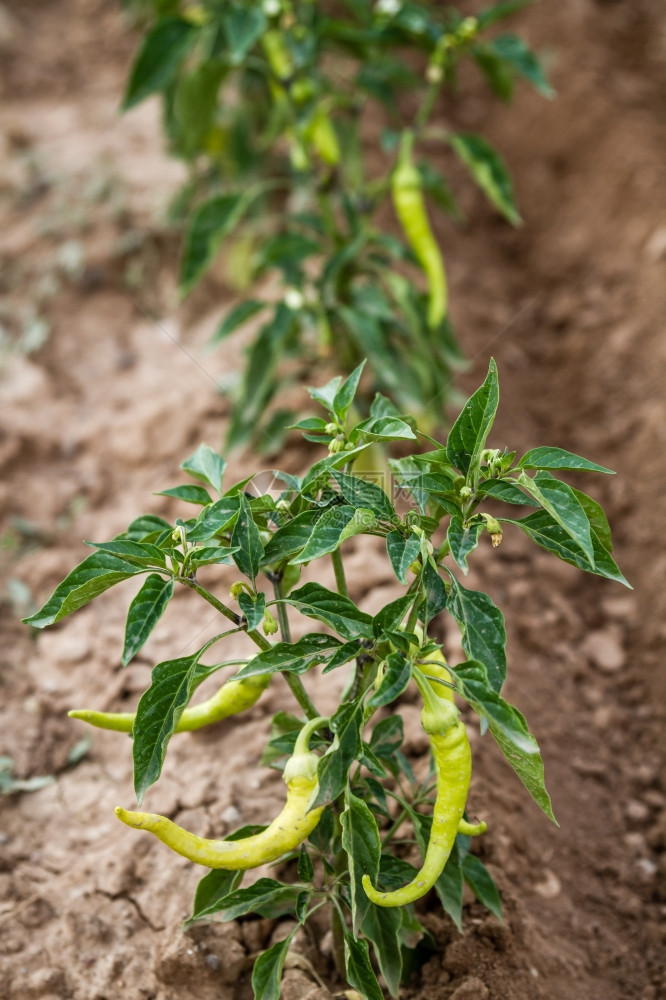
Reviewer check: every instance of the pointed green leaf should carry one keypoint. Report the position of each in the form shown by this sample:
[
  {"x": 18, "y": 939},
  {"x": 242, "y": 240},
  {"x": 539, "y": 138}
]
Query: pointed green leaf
[
  {"x": 267, "y": 972},
  {"x": 253, "y": 607},
  {"x": 382, "y": 926},
  {"x": 266, "y": 897},
  {"x": 213, "y": 887},
  {"x": 500, "y": 489},
  {"x": 305, "y": 867},
  {"x": 339, "y": 612},
  {"x": 482, "y": 884},
  {"x": 397, "y": 674},
  {"x": 162, "y": 51},
  {"x": 215, "y": 518},
  {"x": 293, "y": 657},
  {"x": 563, "y": 506},
  {"x": 333, "y": 768},
  {"x": 467, "y": 437},
  {"x": 144, "y": 612},
  {"x": 333, "y": 527},
  {"x": 291, "y": 537},
  {"x": 246, "y": 536},
  {"x": 463, "y": 539},
  {"x": 360, "y": 839},
  {"x": 402, "y": 552},
  {"x": 143, "y": 554},
  {"x": 363, "y": 493},
  {"x": 207, "y": 466},
  {"x": 597, "y": 518},
  {"x": 161, "y": 706},
  {"x": 243, "y": 26},
  {"x": 558, "y": 458},
  {"x": 344, "y": 396},
  {"x": 189, "y": 493},
  {"x": 435, "y": 594},
  {"x": 552, "y": 537},
  {"x": 88, "y": 580},
  {"x": 391, "y": 615},
  {"x": 489, "y": 171},
  {"x": 482, "y": 629},
  {"x": 360, "y": 973}
]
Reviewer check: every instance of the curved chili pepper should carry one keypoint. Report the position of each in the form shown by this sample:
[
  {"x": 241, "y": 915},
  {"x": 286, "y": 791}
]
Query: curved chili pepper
[
  {"x": 286, "y": 832},
  {"x": 232, "y": 698},
  {"x": 407, "y": 193},
  {"x": 453, "y": 761}
]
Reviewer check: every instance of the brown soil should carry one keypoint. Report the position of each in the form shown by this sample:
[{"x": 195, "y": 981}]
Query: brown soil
[{"x": 103, "y": 411}]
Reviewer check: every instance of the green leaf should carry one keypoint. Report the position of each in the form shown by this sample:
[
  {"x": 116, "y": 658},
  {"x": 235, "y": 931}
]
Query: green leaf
[
  {"x": 266, "y": 896},
  {"x": 481, "y": 883},
  {"x": 382, "y": 926},
  {"x": 597, "y": 518},
  {"x": 305, "y": 867},
  {"x": 343, "y": 655},
  {"x": 563, "y": 506},
  {"x": 344, "y": 397},
  {"x": 161, "y": 53},
  {"x": 253, "y": 607},
  {"x": 467, "y": 437},
  {"x": 246, "y": 536},
  {"x": 334, "y": 526},
  {"x": 514, "y": 51},
  {"x": 144, "y": 612},
  {"x": 291, "y": 537},
  {"x": 528, "y": 766},
  {"x": 360, "y": 973},
  {"x": 552, "y": 537},
  {"x": 235, "y": 318},
  {"x": 215, "y": 518},
  {"x": 463, "y": 539},
  {"x": 207, "y": 555},
  {"x": 267, "y": 972},
  {"x": 147, "y": 528},
  {"x": 398, "y": 672},
  {"x": 209, "y": 225},
  {"x": 207, "y": 466},
  {"x": 481, "y": 624},
  {"x": 558, "y": 458},
  {"x": 339, "y": 612},
  {"x": 189, "y": 493},
  {"x": 161, "y": 706},
  {"x": 391, "y": 615},
  {"x": 212, "y": 888},
  {"x": 402, "y": 552},
  {"x": 383, "y": 429},
  {"x": 143, "y": 554},
  {"x": 333, "y": 768},
  {"x": 485, "y": 700},
  {"x": 498, "y": 11},
  {"x": 435, "y": 594},
  {"x": 360, "y": 839},
  {"x": 387, "y": 737},
  {"x": 88, "y": 580},
  {"x": 362, "y": 493},
  {"x": 489, "y": 171},
  {"x": 499, "y": 76},
  {"x": 195, "y": 106},
  {"x": 499, "y": 489},
  {"x": 293, "y": 657},
  {"x": 243, "y": 26}
]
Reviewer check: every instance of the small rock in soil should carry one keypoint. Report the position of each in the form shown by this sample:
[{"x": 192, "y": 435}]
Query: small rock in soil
[
  {"x": 604, "y": 649},
  {"x": 471, "y": 989},
  {"x": 550, "y": 887},
  {"x": 636, "y": 811}
]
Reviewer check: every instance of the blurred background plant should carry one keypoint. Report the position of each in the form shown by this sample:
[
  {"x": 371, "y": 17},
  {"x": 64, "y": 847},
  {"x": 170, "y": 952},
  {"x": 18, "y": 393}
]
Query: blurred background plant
[{"x": 267, "y": 104}]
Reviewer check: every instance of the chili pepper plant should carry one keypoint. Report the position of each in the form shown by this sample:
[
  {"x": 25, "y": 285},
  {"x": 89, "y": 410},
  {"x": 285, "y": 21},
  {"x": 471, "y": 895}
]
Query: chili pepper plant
[
  {"x": 275, "y": 107},
  {"x": 340, "y": 844}
]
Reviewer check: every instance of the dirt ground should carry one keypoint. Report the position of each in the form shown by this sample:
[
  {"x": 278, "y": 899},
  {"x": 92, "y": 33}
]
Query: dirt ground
[{"x": 100, "y": 403}]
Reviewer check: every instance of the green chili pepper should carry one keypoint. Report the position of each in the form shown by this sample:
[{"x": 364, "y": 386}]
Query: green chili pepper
[
  {"x": 453, "y": 762},
  {"x": 232, "y": 698},
  {"x": 287, "y": 831},
  {"x": 407, "y": 192}
]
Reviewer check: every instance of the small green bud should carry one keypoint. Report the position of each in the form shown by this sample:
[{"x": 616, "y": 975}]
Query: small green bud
[
  {"x": 337, "y": 444},
  {"x": 331, "y": 428},
  {"x": 236, "y": 590},
  {"x": 465, "y": 492},
  {"x": 269, "y": 624}
]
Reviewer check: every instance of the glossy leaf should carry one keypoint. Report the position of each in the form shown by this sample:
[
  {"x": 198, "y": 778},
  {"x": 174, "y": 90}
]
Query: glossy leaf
[
  {"x": 88, "y": 580},
  {"x": 463, "y": 539},
  {"x": 334, "y": 767},
  {"x": 208, "y": 226},
  {"x": 481, "y": 624},
  {"x": 189, "y": 493},
  {"x": 558, "y": 458},
  {"x": 207, "y": 466},
  {"x": 246, "y": 536},
  {"x": 293, "y": 657},
  {"x": 212, "y": 888},
  {"x": 214, "y": 518},
  {"x": 267, "y": 972},
  {"x": 520, "y": 57},
  {"x": 339, "y": 612},
  {"x": 334, "y": 526},
  {"x": 360, "y": 973},
  {"x": 559, "y": 500},
  {"x": 344, "y": 396},
  {"x": 363, "y": 493},
  {"x": 253, "y": 607},
  {"x": 160, "y": 707},
  {"x": 402, "y": 552},
  {"x": 467, "y": 437},
  {"x": 360, "y": 839},
  {"x": 144, "y": 612},
  {"x": 243, "y": 26},
  {"x": 482, "y": 884},
  {"x": 382, "y": 925},
  {"x": 397, "y": 674}
]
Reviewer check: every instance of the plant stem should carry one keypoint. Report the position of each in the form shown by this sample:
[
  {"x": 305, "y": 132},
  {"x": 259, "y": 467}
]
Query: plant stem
[
  {"x": 283, "y": 618},
  {"x": 256, "y": 637},
  {"x": 414, "y": 614},
  {"x": 340, "y": 580},
  {"x": 300, "y": 694}
]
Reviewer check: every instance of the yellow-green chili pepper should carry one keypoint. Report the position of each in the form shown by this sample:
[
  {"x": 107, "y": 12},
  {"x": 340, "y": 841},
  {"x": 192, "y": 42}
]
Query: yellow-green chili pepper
[
  {"x": 286, "y": 832},
  {"x": 407, "y": 192},
  {"x": 232, "y": 698},
  {"x": 453, "y": 761},
  {"x": 320, "y": 133}
]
